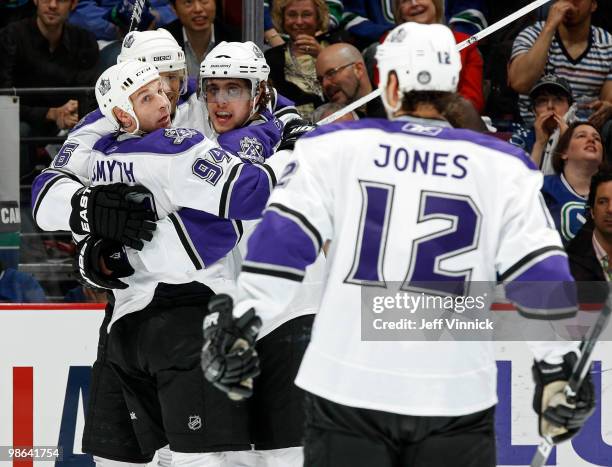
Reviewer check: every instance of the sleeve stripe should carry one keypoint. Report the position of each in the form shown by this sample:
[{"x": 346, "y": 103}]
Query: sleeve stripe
[
  {"x": 225, "y": 194},
  {"x": 44, "y": 191},
  {"x": 239, "y": 229},
  {"x": 271, "y": 175},
  {"x": 285, "y": 111},
  {"x": 186, "y": 242},
  {"x": 68, "y": 175},
  {"x": 299, "y": 218},
  {"x": 268, "y": 271},
  {"x": 533, "y": 313},
  {"x": 528, "y": 260}
]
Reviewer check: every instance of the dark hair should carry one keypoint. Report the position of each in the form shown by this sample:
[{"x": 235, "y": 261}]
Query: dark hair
[
  {"x": 564, "y": 141},
  {"x": 438, "y": 99},
  {"x": 603, "y": 176}
]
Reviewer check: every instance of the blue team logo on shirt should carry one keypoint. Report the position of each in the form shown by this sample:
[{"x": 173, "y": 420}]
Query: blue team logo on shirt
[
  {"x": 251, "y": 149},
  {"x": 572, "y": 219},
  {"x": 63, "y": 156},
  {"x": 179, "y": 134}
]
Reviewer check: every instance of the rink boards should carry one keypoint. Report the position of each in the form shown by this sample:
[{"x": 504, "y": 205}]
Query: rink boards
[{"x": 45, "y": 368}]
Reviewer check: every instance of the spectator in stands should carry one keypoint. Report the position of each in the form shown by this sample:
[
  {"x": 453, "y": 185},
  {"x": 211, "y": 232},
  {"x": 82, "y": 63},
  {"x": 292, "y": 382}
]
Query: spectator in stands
[
  {"x": 368, "y": 20},
  {"x": 271, "y": 33},
  {"x": 197, "y": 30},
  {"x": 292, "y": 65},
  {"x": 44, "y": 51},
  {"x": 551, "y": 98},
  {"x": 329, "y": 108},
  {"x": 14, "y": 10},
  {"x": 590, "y": 250},
  {"x": 567, "y": 45},
  {"x": 577, "y": 157},
  {"x": 109, "y": 19},
  {"x": 342, "y": 74},
  {"x": 19, "y": 287}
]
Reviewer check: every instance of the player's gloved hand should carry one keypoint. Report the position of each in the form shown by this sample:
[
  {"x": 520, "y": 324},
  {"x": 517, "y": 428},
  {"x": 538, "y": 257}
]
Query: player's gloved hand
[
  {"x": 94, "y": 253},
  {"x": 229, "y": 359},
  {"x": 115, "y": 212},
  {"x": 557, "y": 417},
  {"x": 294, "y": 130}
]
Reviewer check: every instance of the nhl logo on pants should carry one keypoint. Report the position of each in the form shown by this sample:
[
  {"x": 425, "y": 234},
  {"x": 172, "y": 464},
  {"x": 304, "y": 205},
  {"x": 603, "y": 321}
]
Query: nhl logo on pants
[{"x": 195, "y": 422}]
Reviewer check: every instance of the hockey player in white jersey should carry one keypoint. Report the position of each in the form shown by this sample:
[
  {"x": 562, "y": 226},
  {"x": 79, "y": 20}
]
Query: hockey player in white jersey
[
  {"x": 406, "y": 200},
  {"x": 125, "y": 221},
  {"x": 241, "y": 120},
  {"x": 196, "y": 176}
]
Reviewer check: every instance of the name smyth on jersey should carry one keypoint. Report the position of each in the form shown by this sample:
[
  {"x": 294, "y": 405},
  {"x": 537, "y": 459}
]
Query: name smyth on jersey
[
  {"x": 422, "y": 162},
  {"x": 112, "y": 171}
]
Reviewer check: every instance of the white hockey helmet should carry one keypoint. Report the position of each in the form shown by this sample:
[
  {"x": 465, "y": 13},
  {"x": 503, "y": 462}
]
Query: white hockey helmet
[
  {"x": 423, "y": 56},
  {"x": 117, "y": 83},
  {"x": 157, "y": 47},
  {"x": 242, "y": 60}
]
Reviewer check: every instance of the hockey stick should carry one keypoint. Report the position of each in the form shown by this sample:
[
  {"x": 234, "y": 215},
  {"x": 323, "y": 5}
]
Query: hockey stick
[
  {"x": 136, "y": 14},
  {"x": 582, "y": 367},
  {"x": 462, "y": 45}
]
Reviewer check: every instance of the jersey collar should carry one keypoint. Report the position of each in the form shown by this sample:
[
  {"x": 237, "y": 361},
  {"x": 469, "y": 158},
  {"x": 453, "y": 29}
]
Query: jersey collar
[{"x": 423, "y": 121}]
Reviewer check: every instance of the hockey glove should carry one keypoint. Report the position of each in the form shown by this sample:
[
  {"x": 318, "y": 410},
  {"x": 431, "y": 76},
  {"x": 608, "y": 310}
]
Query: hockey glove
[
  {"x": 229, "y": 359},
  {"x": 115, "y": 212},
  {"x": 294, "y": 130},
  {"x": 90, "y": 251},
  {"x": 121, "y": 15},
  {"x": 557, "y": 417}
]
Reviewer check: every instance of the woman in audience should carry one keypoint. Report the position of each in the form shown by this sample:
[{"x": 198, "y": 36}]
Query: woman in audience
[
  {"x": 292, "y": 65},
  {"x": 430, "y": 12},
  {"x": 577, "y": 157}
]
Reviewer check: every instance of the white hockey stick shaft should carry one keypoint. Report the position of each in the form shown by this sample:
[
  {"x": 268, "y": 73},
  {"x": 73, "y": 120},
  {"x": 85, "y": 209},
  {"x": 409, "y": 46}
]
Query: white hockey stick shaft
[
  {"x": 579, "y": 372},
  {"x": 136, "y": 14},
  {"x": 462, "y": 45}
]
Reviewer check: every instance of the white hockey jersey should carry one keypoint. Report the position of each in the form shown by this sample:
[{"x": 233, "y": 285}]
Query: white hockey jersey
[{"x": 408, "y": 200}]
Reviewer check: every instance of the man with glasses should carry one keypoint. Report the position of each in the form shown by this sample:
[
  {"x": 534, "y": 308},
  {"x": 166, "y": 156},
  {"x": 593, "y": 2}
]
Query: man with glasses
[
  {"x": 551, "y": 98},
  {"x": 344, "y": 78}
]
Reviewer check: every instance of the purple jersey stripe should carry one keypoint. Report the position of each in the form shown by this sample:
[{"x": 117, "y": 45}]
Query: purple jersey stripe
[
  {"x": 554, "y": 296},
  {"x": 248, "y": 193},
  {"x": 450, "y": 134},
  {"x": 212, "y": 237},
  {"x": 278, "y": 241},
  {"x": 39, "y": 183},
  {"x": 165, "y": 141}
]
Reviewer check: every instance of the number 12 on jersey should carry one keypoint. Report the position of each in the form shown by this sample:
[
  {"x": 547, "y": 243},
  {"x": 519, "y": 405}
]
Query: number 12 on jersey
[{"x": 424, "y": 271}]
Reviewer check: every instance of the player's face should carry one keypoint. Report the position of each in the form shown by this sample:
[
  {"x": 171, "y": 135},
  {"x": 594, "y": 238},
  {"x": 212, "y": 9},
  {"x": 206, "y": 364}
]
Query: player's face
[
  {"x": 228, "y": 102},
  {"x": 585, "y": 146},
  {"x": 151, "y": 106},
  {"x": 53, "y": 13},
  {"x": 300, "y": 17},
  {"x": 339, "y": 80},
  {"x": 602, "y": 209},
  {"x": 419, "y": 11},
  {"x": 172, "y": 82},
  {"x": 196, "y": 15},
  {"x": 581, "y": 12}
]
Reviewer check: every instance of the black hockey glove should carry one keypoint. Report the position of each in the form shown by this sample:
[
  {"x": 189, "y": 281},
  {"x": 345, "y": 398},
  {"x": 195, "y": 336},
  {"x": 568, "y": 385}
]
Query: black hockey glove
[
  {"x": 89, "y": 252},
  {"x": 557, "y": 417},
  {"x": 229, "y": 359},
  {"x": 294, "y": 130},
  {"x": 115, "y": 212}
]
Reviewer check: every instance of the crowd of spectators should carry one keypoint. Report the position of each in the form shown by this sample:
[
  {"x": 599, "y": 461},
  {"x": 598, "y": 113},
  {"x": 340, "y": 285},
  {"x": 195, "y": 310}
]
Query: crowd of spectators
[{"x": 544, "y": 83}]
